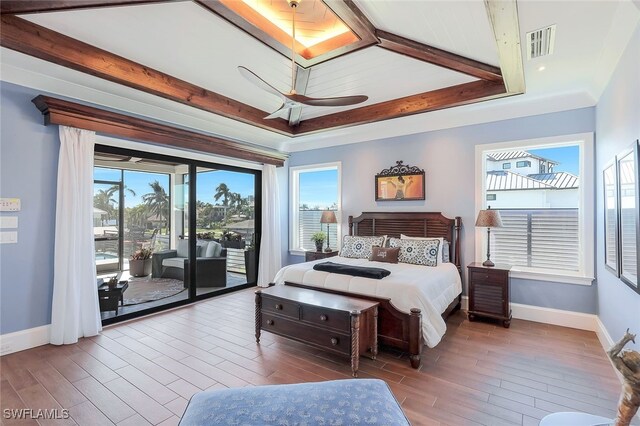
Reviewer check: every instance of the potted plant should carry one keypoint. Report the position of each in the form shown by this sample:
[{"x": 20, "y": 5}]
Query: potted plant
[
  {"x": 232, "y": 240},
  {"x": 318, "y": 238},
  {"x": 140, "y": 263}
]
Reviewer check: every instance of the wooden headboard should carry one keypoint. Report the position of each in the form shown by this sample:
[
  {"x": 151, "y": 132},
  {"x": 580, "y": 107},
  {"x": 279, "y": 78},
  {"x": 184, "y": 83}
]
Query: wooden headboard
[{"x": 413, "y": 224}]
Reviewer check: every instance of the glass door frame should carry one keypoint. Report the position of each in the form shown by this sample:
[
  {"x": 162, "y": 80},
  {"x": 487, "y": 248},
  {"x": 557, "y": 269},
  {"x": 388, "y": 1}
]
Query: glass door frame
[
  {"x": 192, "y": 225},
  {"x": 120, "y": 215}
]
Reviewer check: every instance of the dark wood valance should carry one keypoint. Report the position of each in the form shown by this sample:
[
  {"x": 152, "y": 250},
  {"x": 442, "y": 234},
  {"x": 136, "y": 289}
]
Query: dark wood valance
[{"x": 58, "y": 111}]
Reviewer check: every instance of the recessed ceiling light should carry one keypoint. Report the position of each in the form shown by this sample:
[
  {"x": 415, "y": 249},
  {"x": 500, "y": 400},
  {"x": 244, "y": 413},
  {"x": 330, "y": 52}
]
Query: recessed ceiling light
[{"x": 542, "y": 68}]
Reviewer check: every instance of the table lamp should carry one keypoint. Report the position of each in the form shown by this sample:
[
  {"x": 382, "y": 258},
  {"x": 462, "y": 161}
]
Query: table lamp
[
  {"x": 328, "y": 217},
  {"x": 489, "y": 219}
]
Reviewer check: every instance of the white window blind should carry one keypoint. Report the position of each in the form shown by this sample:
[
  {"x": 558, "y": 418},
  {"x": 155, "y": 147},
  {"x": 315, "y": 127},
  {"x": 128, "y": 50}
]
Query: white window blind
[
  {"x": 540, "y": 238},
  {"x": 309, "y": 224}
]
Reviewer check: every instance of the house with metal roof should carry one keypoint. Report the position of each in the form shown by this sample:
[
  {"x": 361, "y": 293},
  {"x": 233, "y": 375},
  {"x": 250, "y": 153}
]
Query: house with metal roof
[{"x": 527, "y": 180}]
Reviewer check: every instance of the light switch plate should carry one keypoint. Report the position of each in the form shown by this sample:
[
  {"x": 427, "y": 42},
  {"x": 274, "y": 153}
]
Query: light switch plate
[
  {"x": 9, "y": 204},
  {"x": 8, "y": 237},
  {"x": 8, "y": 222}
]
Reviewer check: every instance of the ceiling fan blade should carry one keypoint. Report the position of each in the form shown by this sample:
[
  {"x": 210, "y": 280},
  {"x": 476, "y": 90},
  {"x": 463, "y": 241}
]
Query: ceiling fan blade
[
  {"x": 253, "y": 78},
  {"x": 338, "y": 101},
  {"x": 276, "y": 113}
]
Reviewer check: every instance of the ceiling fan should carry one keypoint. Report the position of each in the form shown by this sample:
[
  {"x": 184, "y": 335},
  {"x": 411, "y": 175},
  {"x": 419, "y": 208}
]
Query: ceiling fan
[{"x": 293, "y": 99}]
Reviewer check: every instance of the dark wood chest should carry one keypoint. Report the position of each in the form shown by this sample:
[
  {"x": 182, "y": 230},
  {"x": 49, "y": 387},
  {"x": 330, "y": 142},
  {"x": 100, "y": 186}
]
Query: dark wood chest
[{"x": 335, "y": 323}]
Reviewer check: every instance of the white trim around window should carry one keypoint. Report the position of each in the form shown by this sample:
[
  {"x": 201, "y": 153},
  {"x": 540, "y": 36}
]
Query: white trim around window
[
  {"x": 294, "y": 173},
  {"x": 587, "y": 205}
]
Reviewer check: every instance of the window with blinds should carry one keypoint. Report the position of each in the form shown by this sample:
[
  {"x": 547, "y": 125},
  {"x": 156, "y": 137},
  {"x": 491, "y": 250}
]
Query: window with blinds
[
  {"x": 540, "y": 208},
  {"x": 314, "y": 189},
  {"x": 538, "y": 238}
]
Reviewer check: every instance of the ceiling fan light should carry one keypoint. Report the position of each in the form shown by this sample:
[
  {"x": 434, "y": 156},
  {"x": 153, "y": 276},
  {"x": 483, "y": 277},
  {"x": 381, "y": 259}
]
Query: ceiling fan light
[{"x": 294, "y": 3}]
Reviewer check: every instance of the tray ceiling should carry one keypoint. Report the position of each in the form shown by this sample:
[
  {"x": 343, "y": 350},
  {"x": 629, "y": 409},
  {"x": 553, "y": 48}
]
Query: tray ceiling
[{"x": 192, "y": 42}]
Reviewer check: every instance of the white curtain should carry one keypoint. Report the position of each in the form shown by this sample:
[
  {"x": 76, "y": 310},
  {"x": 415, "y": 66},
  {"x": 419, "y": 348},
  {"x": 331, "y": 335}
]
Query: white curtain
[
  {"x": 271, "y": 241},
  {"x": 74, "y": 312}
]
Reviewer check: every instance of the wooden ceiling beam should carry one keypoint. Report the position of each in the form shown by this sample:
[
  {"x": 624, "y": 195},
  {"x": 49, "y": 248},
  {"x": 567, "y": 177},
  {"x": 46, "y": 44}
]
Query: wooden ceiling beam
[
  {"x": 61, "y": 112},
  {"x": 439, "y": 57},
  {"x": 31, "y": 39},
  {"x": 448, "y": 97},
  {"x": 353, "y": 18},
  {"x": 43, "y": 6}
]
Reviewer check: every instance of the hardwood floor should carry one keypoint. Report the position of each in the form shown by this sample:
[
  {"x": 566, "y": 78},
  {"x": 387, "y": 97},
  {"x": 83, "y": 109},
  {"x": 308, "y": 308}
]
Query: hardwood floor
[{"x": 144, "y": 372}]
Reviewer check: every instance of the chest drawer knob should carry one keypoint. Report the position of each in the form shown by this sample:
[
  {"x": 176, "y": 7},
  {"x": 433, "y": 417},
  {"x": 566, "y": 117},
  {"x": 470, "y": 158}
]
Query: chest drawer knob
[
  {"x": 278, "y": 307},
  {"x": 269, "y": 322},
  {"x": 323, "y": 317},
  {"x": 334, "y": 341}
]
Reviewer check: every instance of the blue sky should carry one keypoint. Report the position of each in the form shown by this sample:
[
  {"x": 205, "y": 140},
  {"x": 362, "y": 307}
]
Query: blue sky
[
  {"x": 319, "y": 188},
  {"x": 567, "y": 156},
  {"x": 242, "y": 183}
]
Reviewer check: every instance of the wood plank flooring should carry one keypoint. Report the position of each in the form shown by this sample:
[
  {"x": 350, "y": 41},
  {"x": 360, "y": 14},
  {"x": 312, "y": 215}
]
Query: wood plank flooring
[{"x": 143, "y": 372}]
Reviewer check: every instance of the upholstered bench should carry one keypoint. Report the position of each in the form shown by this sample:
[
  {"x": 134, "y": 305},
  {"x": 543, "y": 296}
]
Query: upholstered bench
[{"x": 338, "y": 402}]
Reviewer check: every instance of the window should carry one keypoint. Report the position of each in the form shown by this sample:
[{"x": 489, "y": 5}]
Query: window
[
  {"x": 506, "y": 165},
  {"x": 545, "y": 216},
  {"x": 314, "y": 189},
  {"x": 543, "y": 167}
]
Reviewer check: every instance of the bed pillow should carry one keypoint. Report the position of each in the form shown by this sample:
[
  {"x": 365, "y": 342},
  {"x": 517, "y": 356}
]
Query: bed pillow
[
  {"x": 417, "y": 252},
  {"x": 359, "y": 247},
  {"x": 385, "y": 254},
  {"x": 445, "y": 252},
  {"x": 443, "y": 256}
]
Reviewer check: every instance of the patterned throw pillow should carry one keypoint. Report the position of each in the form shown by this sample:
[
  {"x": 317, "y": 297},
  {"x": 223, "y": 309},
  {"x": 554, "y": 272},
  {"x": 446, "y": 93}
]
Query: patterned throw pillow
[
  {"x": 417, "y": 252},
  {"x": 359, "y": 247},
  {"x": 385, "y": 254}
]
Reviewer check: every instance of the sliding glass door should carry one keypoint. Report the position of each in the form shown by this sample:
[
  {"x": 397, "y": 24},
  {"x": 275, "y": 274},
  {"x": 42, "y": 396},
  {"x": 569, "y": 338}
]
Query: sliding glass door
[
  {"x": 225, "y": 228},
  {"x": 163, "y": 249}
]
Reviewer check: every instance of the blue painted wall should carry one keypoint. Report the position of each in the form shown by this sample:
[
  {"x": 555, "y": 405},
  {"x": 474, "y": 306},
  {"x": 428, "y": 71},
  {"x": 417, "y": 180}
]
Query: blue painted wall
[
  {"x": 28, "y": 170},
  {"x": 618, "y": 126},
  {"x": 448, "y": 157}
]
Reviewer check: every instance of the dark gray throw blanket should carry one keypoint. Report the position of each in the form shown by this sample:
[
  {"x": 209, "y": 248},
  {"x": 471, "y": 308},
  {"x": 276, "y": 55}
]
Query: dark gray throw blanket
[{"x": 356, "y": 271}]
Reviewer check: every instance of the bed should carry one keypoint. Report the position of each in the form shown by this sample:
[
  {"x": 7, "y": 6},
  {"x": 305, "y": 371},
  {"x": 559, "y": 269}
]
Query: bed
[{"x": 407, "y": 318}]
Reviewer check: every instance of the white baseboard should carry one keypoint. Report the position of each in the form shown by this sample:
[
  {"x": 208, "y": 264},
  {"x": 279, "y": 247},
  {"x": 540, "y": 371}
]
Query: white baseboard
[
  {"x": 559, "y": 317},
  {"x": 603, "y": 335},
  {"x": 24, "y": 339}
]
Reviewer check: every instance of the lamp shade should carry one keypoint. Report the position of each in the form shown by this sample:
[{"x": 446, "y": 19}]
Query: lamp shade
[
  {"x": 328, "y": 216},
  {"x": 489, "y": 219}
]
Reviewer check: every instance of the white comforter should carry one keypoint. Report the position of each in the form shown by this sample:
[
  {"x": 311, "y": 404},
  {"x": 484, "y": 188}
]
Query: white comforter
[{"x": 430, "y": 289}]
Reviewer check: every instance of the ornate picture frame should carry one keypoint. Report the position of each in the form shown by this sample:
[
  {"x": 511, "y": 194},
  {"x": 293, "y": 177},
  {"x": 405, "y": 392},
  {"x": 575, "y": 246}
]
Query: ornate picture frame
[{"x": 400, "y": 183}]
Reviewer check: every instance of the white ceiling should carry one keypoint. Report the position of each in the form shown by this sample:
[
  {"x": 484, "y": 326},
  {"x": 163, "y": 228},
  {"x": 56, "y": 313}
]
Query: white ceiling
[
  {"x": 459, "y": 27},
  {"x": 190, "y": 43}
]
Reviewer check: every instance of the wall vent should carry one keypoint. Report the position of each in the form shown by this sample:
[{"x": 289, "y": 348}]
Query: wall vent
[{"x": 540, "y": 42}]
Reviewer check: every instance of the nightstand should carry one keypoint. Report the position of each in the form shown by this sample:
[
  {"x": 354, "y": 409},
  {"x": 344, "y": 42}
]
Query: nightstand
[
  {"x": 489, "y": 292},
  {"x": 317, "y": 255}
]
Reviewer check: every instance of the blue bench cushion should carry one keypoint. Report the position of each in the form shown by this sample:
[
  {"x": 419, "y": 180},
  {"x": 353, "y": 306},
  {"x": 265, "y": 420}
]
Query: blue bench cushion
[{"x": 338, "y": 402}]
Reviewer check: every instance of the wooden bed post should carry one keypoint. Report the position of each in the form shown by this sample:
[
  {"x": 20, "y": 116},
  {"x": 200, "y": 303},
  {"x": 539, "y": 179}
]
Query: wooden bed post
[
  {"x": 258, "y": 316},
  {"x": 350, "y": 225},
  {"x": 415, "y": 337},
  {"x": 456, "y": 254}
]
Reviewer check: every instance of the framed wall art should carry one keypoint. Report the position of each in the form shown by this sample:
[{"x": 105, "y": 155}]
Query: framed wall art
[
  {"x": 628, "y": 215},
  {"x": 400, "y": 183},
  {"x": 611, "y": 236}
]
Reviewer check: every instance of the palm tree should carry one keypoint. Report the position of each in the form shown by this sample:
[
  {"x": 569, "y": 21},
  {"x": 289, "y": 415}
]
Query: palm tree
[
  {"x": 222, "y": 191},
  {"x": 157, "y": 201},
  {"x": 116, "y": 187},
  {"x": 104, "y": 200}
]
